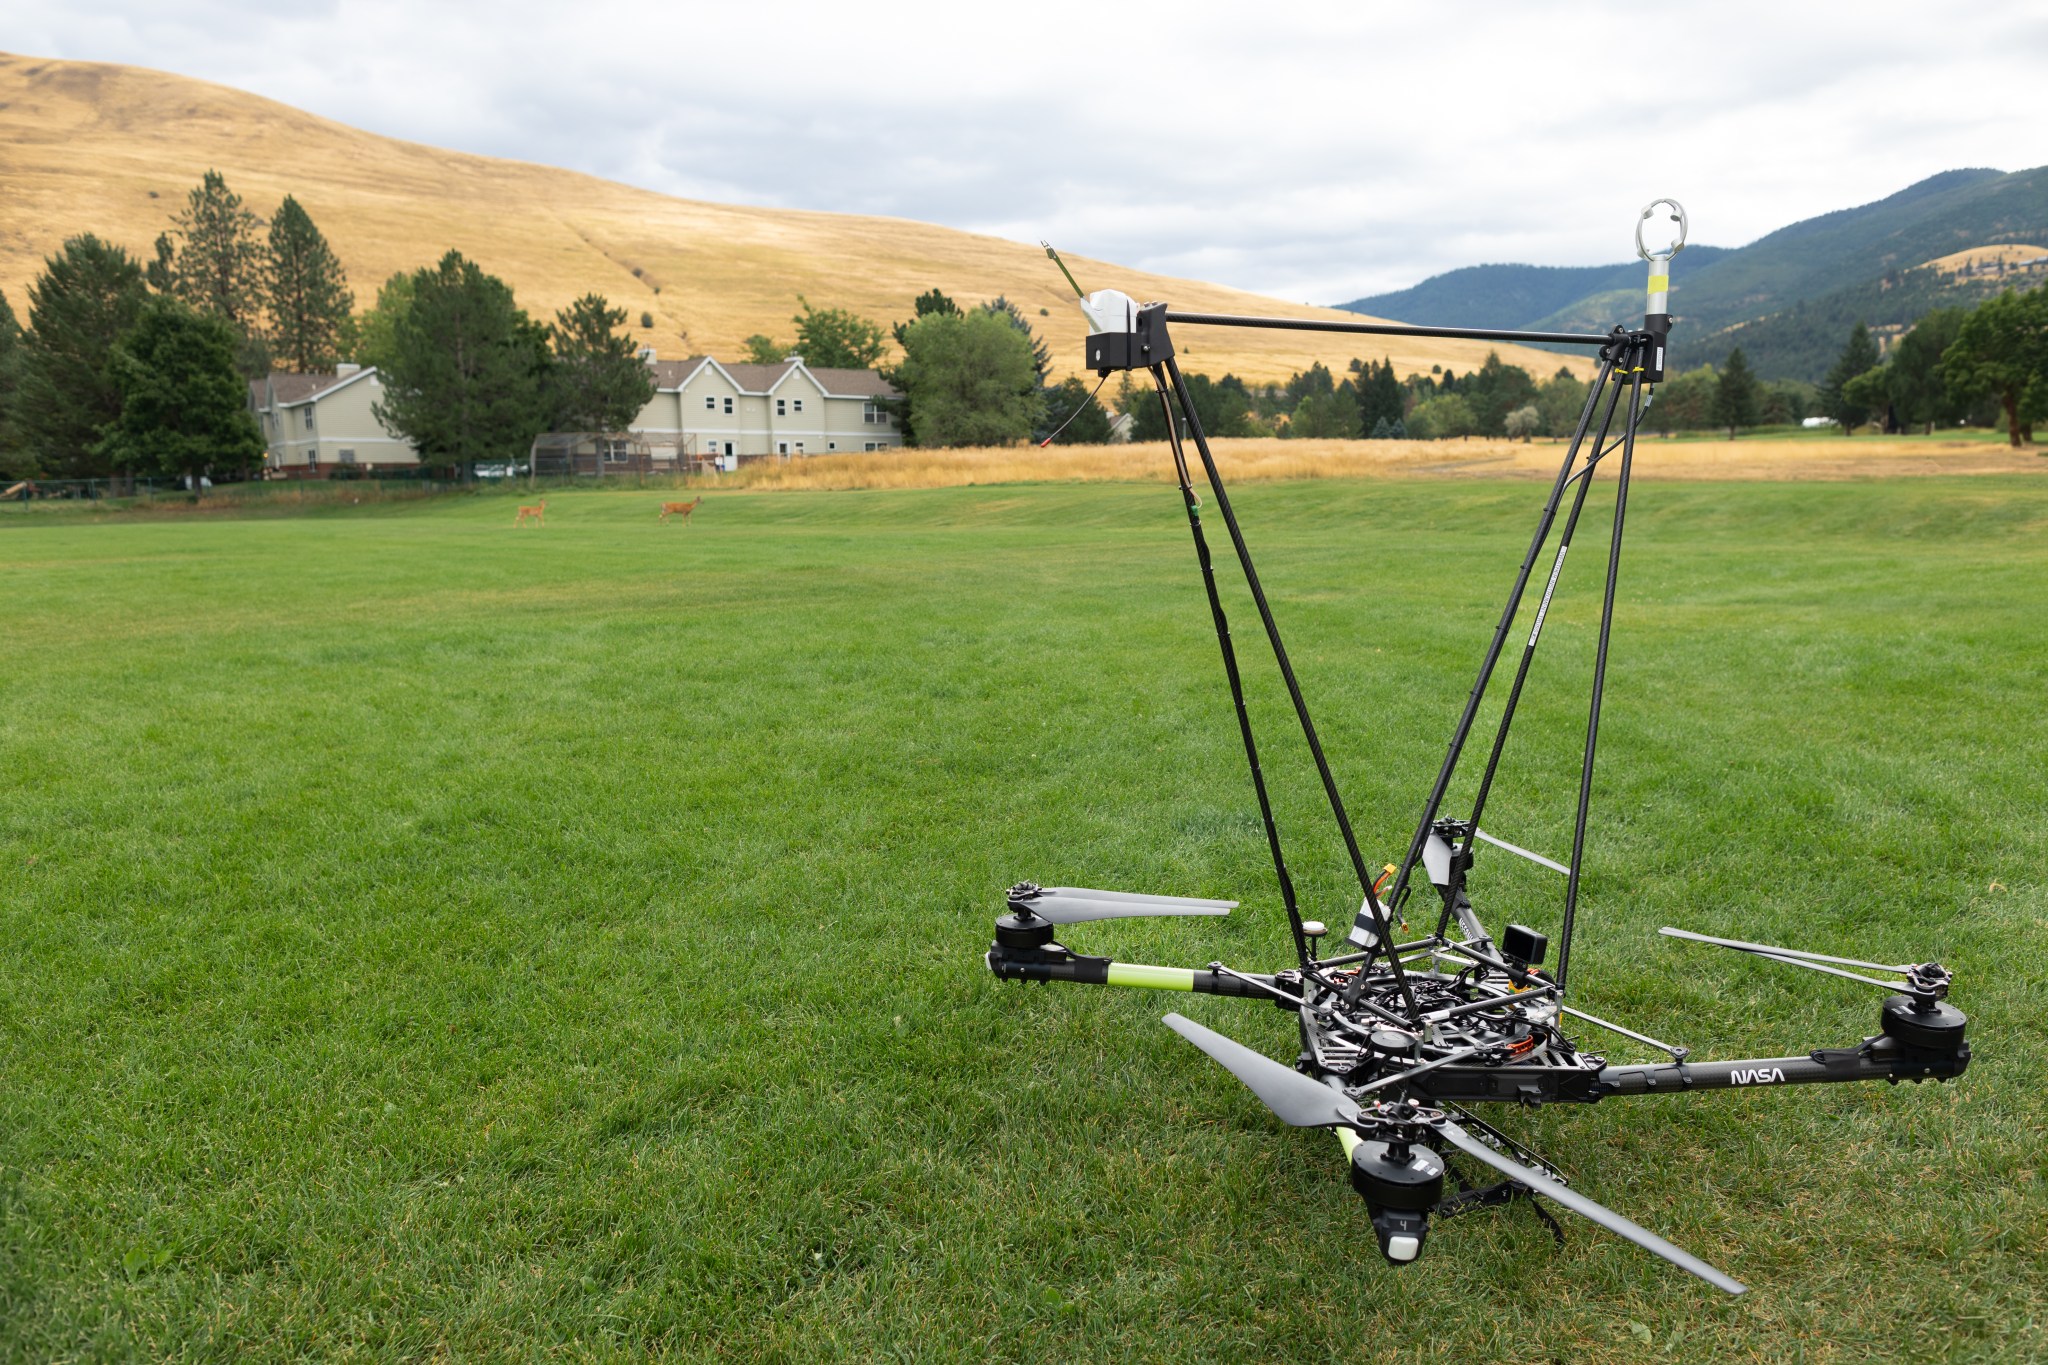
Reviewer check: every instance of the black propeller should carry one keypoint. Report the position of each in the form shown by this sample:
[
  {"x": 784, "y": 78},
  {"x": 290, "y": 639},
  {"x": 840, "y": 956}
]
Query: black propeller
[
  {"x": 1293, "y": 1097},
  {"x": 1539, "y": 1183},
  {"x": 1078, "y": 904},
  {"x": 1306, "y": 1103}
]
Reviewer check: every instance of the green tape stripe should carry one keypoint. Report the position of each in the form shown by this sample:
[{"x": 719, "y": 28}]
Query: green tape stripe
[{"x": 1153, "y": 978}]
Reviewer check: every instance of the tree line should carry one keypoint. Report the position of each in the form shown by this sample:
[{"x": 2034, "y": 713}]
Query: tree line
[
  {"x": 1956, "y": 366},
  {"x": 143, "y": 368}
]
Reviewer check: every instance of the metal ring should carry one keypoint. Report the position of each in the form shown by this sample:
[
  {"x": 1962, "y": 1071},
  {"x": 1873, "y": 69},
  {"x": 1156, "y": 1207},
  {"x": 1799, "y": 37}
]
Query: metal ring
[{"x": 1677, "y": 214}]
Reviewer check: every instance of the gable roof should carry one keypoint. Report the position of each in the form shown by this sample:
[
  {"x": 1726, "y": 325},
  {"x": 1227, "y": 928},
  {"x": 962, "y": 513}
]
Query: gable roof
[
  {"x": 289, "y": 390},
  {"x": 853, "y": 383},
  {"x": 760, "y": 380}
]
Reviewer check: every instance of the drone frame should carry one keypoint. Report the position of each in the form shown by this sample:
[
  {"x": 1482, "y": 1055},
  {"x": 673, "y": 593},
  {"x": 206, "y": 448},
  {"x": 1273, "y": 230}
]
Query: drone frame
[{"x": 1397, "y": 1037}]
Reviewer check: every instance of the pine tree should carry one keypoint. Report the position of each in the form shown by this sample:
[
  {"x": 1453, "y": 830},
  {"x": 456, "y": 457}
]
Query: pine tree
[
  {"x": 306, "y": 292},
  {"x": 929, "y": 302},
  {"x": 184, "y": 408},
  {"x": 1858, "y": 356},
  {"x": 468, "y": 374},
  {"x": 218, "y": 265},
  {"x": 1381, "y": 399},
  {"x": 1073, "y": 413},
  {"x": 15, "y": 462},
  {"x": 1735, "y": 397},
  {"x": 600, "y": 383},
  {"x": 88, "y": 294}
]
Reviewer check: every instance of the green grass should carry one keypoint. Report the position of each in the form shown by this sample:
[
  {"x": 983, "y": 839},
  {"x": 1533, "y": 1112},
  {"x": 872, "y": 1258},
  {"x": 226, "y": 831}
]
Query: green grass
[{"x": 421, "y": 937}]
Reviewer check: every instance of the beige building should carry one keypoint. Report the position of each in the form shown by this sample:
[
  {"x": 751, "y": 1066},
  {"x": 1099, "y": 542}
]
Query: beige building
[
  {"x": 317, "y": 425},
  {"x": 703, "y": 413},
  {"x": 703, "y": 409}
]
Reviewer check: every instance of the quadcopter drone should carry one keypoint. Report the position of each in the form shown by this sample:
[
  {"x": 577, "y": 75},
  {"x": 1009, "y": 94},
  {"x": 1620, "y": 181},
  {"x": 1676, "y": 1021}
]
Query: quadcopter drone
[{"x": 1398, "y": 1039}]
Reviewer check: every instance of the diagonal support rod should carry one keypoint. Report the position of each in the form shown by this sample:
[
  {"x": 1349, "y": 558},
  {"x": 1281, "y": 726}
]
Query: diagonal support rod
[{"x": 1167, "y": 375}]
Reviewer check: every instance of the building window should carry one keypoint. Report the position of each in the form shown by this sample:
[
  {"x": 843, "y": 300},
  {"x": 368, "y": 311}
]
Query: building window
[
  {"x": 870, "y": 413},
  {"x": 782, "y": 447},
  {"x": 710, "y": 403},
  {"x": 728, "y": 406},
  {"x": 781, "y": 408},
  {"x": 309, "y": 419},
  {"x": 728, "y": 447},
  {"x": 799, "y": 447},
  {"x": 799, "y": 404},
  {"x": 346, "y": 455},
  {"x": 831, "y": 445}
]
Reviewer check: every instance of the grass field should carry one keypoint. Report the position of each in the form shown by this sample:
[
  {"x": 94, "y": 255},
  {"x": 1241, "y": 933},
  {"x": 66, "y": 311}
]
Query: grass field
[{"x": 424, "y": 938}]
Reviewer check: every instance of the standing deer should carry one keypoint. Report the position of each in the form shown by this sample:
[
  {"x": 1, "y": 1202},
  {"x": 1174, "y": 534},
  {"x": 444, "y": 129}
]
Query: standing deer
[
  {"x": 669, "y": 509},
  {"x": 539, "y": 513}
]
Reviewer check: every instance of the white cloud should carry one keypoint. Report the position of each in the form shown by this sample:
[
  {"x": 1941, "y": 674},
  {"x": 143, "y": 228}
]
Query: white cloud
[{"x": 1314, "y": 151}]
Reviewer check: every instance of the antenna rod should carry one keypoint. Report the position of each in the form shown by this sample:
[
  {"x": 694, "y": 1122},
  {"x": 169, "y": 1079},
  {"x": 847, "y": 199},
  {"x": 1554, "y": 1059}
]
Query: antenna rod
[
  {"x": 1078, "y": 291},
  {"x": 1391, "y": 329}
]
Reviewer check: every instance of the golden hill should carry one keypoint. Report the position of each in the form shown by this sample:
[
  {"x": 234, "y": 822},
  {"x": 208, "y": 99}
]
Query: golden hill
[{"x": 114, "y": 150}]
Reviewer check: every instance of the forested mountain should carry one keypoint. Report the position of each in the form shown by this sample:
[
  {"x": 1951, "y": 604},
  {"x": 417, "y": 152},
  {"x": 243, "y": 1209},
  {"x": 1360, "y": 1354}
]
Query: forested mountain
[{"x": 1791, "y": 295}]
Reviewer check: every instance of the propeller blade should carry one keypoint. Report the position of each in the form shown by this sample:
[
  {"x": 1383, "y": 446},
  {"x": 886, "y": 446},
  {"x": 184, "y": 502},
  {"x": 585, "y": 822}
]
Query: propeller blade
[
  {"x": 1293, "y": 1097},
  {"x": 1586, "y": 1208},
  {"x": 1078, "y": 905},
  {"x": 1781, "y": 953}
]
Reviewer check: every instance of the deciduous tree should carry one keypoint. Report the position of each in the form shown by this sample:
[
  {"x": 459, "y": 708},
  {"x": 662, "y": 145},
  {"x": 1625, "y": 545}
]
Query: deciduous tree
[
  {"x": 834, "y": 338},
  {"x": 600, "y": 383},
  {"x": 969, "y": 379},
  {"x": 468, "y": 376},
  {"x": 924, "y": 305},
  {"x": 1327, "y": 415},
  {"x": 1917, "y": 388},
  {"x": 2001, "y": 349},
  {"x": 1041, "y": 354},
  {"x": 763, "y": 349},
  {"x": 1441, "y": 417},
  {"x": 1494, "y": 390},
  {"x": 184, "y": 406},
  {"x": 1561, "y": 398},
  {"x": 306, "y": 293},
  {"x": 88, "y": 294},
  {"x": 377, "y": 330}
]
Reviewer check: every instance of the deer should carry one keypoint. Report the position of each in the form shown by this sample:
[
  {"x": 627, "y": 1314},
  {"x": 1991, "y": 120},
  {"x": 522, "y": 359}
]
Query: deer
[
  {"x": 539, "y": 513},
  {"x": 669, "y": 509}
]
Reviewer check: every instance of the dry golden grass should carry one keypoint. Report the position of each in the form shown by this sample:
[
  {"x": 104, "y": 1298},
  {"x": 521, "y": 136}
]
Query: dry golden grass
[
  {"x": 114, "y": 150},
  {"x": 2011, "y": 253},
  {"x": 1263, "y": 460}
]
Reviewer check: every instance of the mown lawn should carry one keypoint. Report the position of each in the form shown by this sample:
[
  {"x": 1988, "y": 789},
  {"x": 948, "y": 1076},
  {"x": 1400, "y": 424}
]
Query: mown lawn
[{"x": 424, "y": 938}]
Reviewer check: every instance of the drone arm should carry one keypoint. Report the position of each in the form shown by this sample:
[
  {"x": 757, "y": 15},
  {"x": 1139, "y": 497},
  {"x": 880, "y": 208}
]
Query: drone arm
[
  {"x": 1881, "y": 1059},
  {"x": 1053, "y": 963}
]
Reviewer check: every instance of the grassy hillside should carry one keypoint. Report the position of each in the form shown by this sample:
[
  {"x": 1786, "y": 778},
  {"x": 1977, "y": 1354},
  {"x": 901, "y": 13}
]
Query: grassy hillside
[
  {"x": 494, "y": 944},
  {"x": 114, "y": 149}
]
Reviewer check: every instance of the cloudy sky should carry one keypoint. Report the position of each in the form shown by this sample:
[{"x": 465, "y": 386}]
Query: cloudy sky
[{"x": 1313, "y": 151}]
